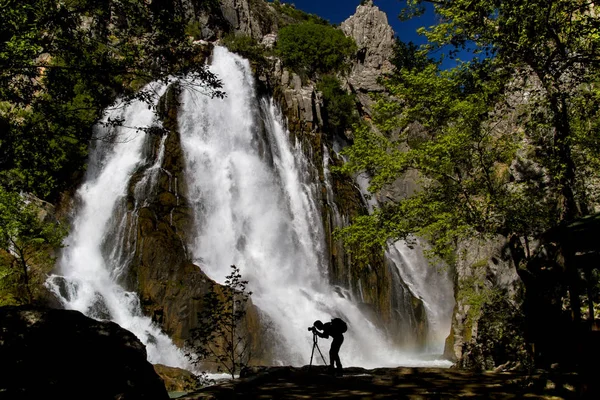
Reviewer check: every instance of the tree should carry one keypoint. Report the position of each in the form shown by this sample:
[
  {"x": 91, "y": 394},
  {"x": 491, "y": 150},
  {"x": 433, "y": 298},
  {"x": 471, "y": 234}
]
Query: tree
[
  {"x": 313, "y": 48},
  {"x": 436, "y": 122},
  {"x": 27, "y": 242},
  {"x": 556, "y": 42},
  {"x": 62, "y": 63},
  {"x": 503, "y": 144},
  {"x": 220, "y": 337},
  {"x": 339, "y": 105}
]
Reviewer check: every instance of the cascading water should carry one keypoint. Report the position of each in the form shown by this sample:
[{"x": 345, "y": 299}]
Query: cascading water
[
  {"x": 421, "y": 278},
  {"x": 95, "y": 255},
  {"x": 255, "y": 205}
]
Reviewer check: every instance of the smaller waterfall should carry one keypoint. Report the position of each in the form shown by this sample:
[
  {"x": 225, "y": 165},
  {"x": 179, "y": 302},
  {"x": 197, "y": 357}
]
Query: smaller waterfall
[
  {"x": 429, "y": 283},
  {"x": 95, "y": 259}
]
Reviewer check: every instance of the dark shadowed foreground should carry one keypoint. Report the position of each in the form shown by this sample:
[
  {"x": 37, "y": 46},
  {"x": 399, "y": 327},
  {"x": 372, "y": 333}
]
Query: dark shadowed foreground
[{"x": 395, "y": 383}]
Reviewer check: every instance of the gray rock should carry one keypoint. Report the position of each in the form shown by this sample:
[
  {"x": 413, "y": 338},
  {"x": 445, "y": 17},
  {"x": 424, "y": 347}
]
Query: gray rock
[
  {"x": 375, "y": 40},
  {"x": 488, "y": 292},
  {"x": 269, "y": 40}
]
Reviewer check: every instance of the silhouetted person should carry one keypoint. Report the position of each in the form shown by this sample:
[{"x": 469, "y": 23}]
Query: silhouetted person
[{"x": 335, "y": 330}]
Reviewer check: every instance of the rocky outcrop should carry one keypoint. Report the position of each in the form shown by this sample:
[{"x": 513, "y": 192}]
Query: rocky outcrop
[
  {"x": 254, "y": 18},
  {"x": 375, "y": 40},
  {"x": 177, "y": 379},
  {"x": 170, "y": 286},
  {"x": 237, "y": 14},
  {"x": 488, "y": 321},
  {"x": 300, "y": 103},
  {"x": 52, "y": 354}
]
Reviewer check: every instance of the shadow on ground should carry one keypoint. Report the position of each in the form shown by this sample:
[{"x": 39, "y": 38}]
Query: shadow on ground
[{"x": 395, "y": 383}]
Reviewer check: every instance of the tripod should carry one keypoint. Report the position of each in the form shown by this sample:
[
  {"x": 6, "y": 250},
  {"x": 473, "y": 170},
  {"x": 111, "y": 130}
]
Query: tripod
[{"x": 315, "y": 345}]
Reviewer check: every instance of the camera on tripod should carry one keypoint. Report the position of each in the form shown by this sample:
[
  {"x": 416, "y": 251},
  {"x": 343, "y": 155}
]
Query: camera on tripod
[{"x": 312, "y": 329}]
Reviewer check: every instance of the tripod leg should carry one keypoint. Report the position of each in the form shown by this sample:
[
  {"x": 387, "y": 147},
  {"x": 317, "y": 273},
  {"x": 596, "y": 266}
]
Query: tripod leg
[{"x": 323, "y": 358}]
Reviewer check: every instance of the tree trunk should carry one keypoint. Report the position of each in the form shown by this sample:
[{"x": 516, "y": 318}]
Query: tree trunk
[
  {"x": 590, "y": 299},
  {"x": 565, "y": 173},
  {"x": 573, "y": 279}
]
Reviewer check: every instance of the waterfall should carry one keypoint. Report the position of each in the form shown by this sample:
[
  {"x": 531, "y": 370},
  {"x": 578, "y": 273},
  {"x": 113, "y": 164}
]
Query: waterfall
[
  {"x": 431, "y": 284},
  {"x": 95, "y": 257},
  {"x": 255, "y": 202}
]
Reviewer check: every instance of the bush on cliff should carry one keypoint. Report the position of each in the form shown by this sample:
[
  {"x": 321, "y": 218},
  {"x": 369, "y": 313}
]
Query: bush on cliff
[
  {"x": 314, "y": 48},
  {"x": 340, "y": 105}
]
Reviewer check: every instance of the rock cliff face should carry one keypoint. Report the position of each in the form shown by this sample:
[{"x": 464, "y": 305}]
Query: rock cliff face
[
  {"x": 375, "y": 40},
  {"x": 488, "y": 321},
  {"x": 169, "y": 285}
]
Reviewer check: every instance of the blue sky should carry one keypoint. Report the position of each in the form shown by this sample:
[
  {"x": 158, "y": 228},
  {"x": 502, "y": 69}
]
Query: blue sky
[{"x": 336, "y": 11}]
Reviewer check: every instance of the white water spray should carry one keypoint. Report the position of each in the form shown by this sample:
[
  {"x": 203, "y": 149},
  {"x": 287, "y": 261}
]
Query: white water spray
[
  {"x": 256, "y": 208},
  {"x": 93, "y": 260},
  {"x": 430, "y": 284}
]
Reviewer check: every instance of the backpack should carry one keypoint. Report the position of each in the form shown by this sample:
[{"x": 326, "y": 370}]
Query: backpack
[{"x": 339, "y": 325}]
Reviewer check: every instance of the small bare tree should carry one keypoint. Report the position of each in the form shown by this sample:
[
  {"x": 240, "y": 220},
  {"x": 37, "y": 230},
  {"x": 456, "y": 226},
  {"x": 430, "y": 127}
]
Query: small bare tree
[{"x": 220, "y": 337}]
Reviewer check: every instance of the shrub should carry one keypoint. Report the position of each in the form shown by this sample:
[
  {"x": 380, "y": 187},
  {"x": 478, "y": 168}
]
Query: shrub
[
  {"x": 339, "y": 106},
  {"x": 314, "y": 48}
]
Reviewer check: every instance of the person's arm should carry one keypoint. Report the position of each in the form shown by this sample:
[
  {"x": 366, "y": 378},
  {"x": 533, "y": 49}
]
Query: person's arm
[{"x": 323, "y": 335}]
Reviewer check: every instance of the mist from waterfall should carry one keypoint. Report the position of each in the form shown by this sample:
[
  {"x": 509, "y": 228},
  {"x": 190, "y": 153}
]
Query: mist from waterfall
[
  {"x": 95, "y": 256},
  {"x": 255, "y": 203}
]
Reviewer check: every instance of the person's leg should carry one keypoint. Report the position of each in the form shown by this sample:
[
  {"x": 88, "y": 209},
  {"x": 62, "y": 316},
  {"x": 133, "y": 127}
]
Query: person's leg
[
  {"x": 334, "y": 353},
  {"x": 332, "y": 356}
]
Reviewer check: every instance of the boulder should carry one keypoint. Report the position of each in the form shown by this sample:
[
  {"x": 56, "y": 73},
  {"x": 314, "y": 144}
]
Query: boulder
[
  {"x": 177, "y": 379},
  {"x": 48, "y": 353}
]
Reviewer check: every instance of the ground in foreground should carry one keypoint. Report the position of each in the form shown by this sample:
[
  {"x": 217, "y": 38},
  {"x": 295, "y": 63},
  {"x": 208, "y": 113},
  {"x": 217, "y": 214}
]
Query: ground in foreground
[{"x": 395, "y": 383}]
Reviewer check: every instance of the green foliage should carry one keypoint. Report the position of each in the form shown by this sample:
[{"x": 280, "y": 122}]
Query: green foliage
[
  {"x": 558, "y": 44},
  {"x": 312, "y": 49},
  {"x": 62, "y": 63},
  {"x": 27, "y": 241},
  {"x": 473, "y": 292},
  {"x": 194, "y": 29},
  {"x": 461, "y": 159},
  {"x": 408, "y": 56},
  {"x": 340, "y": 106},
  {"x": 220, "y": 337}
]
